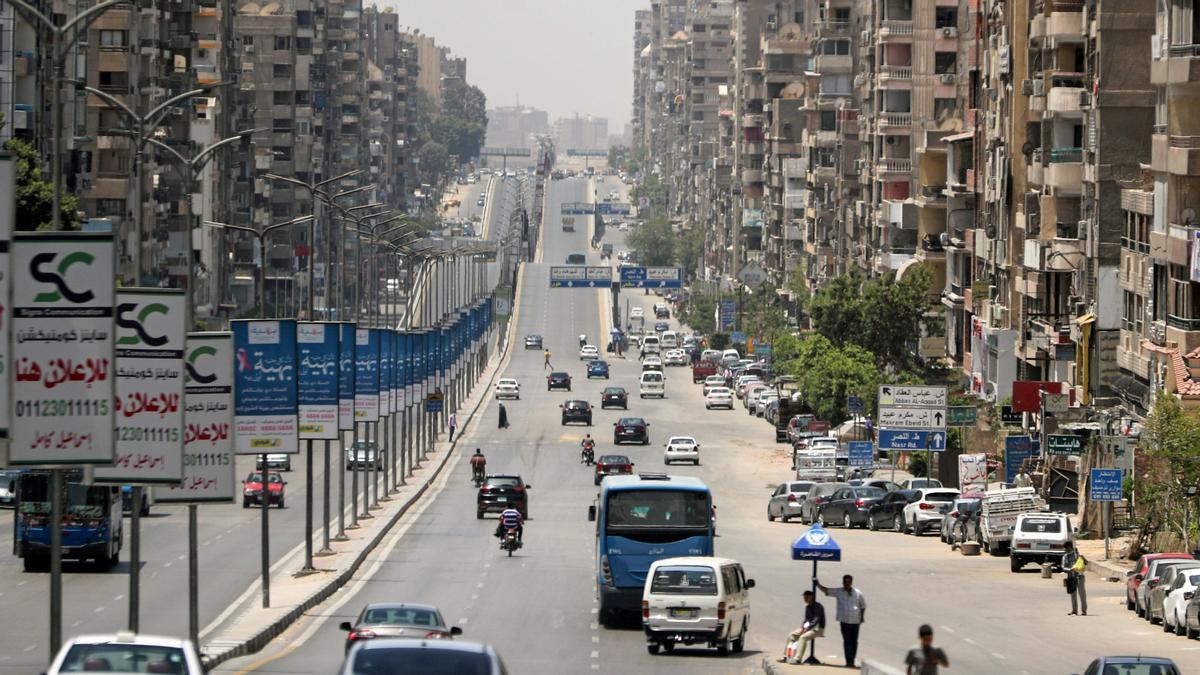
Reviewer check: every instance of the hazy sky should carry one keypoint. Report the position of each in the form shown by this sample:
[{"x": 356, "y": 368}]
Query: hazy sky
[{"x": 563, "y": 56}]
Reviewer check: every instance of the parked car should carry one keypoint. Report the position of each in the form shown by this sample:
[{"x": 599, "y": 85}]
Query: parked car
[
  {"x": 1153, "y": 577},
  {"x": 507, "y": 387},
  {"x": 1039, "y": 538},
  {"x": 500, "y": 491},
  {"x": 1181, "y": 592},
  {"x": 957, "y": 524},
  {"x": 712, "y": 381},
  {"x": 888, "y": 512},
  {"x": 1134, "y": 577},
  {"x": 614, "y": 397},
  {"x": 681, "y": 449},
  {"x": 918, "y": 483},
  {"x": 577, "y": 411},
  {"x": 817, "y": 496},
  {"x": 558, "y": 380},
  {"x": 925, "y": 512},
  {"x": 405, "y": 655},
  {"x": 1156, "y": 596},
  {"x": 718, "y": 397},
  {"x": 764, "y": 399},
  {"x": 631, "y": 430},
  {"x": 278, "y": 461},
  {"x": 786, "y": 500},
  {"x": 533, "y": 342},
  {"x": 252, "y": 489},
  {"x": 850, "y": 506},
  {"x": 397, "y": 620},
  {"x": 126, "y": 652},
  {"x": 597, "y": 369},
  {"x": 1132, "y": 665},
  {"x": 612, "y": 465}
]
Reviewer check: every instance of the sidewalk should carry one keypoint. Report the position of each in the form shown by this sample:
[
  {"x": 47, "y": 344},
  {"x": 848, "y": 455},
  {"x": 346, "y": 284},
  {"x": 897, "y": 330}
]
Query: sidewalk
[
  {"x": 293, "y": 594},
  {"x": 832, "y": 665},
  {"x": 1115, "y": 567}
]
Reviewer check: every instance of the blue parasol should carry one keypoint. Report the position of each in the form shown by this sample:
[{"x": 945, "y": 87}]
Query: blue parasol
[{"x": 815, "y": 545}]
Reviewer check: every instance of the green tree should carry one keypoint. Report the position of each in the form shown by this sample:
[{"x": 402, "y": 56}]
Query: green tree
[
  {"x": 698, "y": 312},
  {"x": 434, "y": 161},
  {"x": 655, "y": 191},
  {"x": 836, "y": 310},
  {"x": 827, "y": 374},
  {"x": 35, "y": 193},
  {"x": 462, "y": 122},
  {"x": 1172, "y": 444},
  {"x": 689, "y": 250},
  {"x": 653, "y": 243}
]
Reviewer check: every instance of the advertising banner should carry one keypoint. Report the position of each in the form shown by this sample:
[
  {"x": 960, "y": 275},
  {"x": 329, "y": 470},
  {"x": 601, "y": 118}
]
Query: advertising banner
[
  {"x": 317, "y": 345},
  {"x": 1017, "y": 449},
  {"x": 406, "y": 351},
  {"x": 366, "y": 375},
  {"x": 972, "y": 472},
  {"x": 397, "y": 371},
  {"x": 418, "y": 376},
  {"x": 8, "y": 216},
  {"x": 265, "y": 401},
  {"x": 383, "y": 337},
  {"x": 62, "y": 349},
  {"x": 346, "y": 339},
  {"x": 208, "y": 466},
  {"x": 149, "y": 387}
]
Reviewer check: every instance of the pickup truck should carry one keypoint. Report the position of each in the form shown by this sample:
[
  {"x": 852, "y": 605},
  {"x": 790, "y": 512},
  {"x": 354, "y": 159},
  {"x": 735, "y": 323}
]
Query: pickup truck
[
  {"x": 703, "y": 369},
  {"x": 998, "y": 516}
]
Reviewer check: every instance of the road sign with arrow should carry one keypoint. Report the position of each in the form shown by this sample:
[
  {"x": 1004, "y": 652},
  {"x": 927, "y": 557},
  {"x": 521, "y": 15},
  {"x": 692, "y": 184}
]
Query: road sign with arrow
[
  {"x": 912, "y": 418},
  {"x": 899, "y": 439}
]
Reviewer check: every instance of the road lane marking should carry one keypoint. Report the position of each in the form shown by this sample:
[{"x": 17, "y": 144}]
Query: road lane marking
[
  {"x": 948, "y": 629},
  {"x": 119, "y": 597},
  {"x": 463, "y": 621},
  {"x": 30, "y": 648},
  {"x": 595, "y": 655},
  {"x": 999, "y": 656},
  {"x": 98, "y": 609},
  {"x": 595, "y": 638},
  {"x": 970, "y": 641}
]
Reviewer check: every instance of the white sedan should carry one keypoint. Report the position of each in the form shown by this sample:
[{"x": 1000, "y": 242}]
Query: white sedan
[
  {"x": 1177, "y": 599},
  {"x": 589, "y": 353},
  {"x": 713, "y": 381},
  {"x": 675, "y": 357},
  {"x": 508, "y": 388},
  {"x": 652, "y": 362},
  {"x": 718, "y": 397},
  {"x": 636, "y": 312},
  {"x": 682, "y": 449}
]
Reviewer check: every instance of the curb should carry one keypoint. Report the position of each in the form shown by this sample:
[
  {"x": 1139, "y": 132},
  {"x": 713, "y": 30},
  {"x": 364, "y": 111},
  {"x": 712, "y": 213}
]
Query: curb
[
  {"x": 271, "y": 631},
  {"x": 1106, "y": 570}
]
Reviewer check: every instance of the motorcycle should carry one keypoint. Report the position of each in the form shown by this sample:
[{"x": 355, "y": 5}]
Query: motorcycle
[
  {"x": 477, "y": 479},
  {"x": 588, "y": 455},
  {"x": 509, "y": 541}
]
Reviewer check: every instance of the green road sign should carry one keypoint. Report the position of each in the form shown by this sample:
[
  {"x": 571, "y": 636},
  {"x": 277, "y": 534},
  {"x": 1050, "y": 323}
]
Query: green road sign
[
  {"x": 961, "y": 416},
  {"x": 1064, "y": 444}
]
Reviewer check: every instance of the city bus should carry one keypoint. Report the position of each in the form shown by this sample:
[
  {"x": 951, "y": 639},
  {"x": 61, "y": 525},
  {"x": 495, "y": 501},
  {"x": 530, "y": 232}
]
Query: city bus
[
  {"x": 91, "y": 521},
  {"x": 640, "y": 519}
]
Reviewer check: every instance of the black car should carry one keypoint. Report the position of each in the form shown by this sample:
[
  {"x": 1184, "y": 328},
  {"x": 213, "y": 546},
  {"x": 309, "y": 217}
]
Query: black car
[
  {"x": 889, "y": 512},
  {"x": 558, "y": 381},
  {"x": 533, "y": 342},
  {"x": 661, "y": 327},
  {"x": 577, "y": 411},
  {"x": 612, "y": 465},
  {"x": 500, "y": 491},
  {"x": 615, "y": 397},
  {"x": 850, "y": 506},
  {"x": 631, "y": 430}
]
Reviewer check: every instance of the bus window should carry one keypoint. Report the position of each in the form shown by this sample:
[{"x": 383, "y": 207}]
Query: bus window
[{"x": 657, "y": 508}]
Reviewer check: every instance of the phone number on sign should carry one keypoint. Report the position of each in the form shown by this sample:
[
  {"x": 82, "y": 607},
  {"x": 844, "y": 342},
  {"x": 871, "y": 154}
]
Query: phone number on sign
[
  {"x": 160, "y": 434},
  {"x": 52, "y": 407}
]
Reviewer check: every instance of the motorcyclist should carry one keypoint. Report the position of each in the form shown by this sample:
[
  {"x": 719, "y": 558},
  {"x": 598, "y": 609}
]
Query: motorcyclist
[
  {"x": 587, "y": 454},
  {"x": 511, "y": 518},
  {"x": 582, "y": 341},
  {"x": 478, "y": 464}
]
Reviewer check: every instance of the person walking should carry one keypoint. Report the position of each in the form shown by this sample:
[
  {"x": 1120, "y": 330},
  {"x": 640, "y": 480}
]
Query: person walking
[
  {"x": 1023, "y": 479},
  {"x": 503, "y": 417},
  {"x": 546, "y": 363},
  {"x": 924, "y": 659},
  {"x": 452, "y": 422},
  {"x": 851, "y": 614},
  {"x": 1075, "y": 566},
  {"x": 812, "y": 628}
]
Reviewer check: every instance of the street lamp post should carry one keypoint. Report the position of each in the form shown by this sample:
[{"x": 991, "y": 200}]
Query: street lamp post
[{"x": 261, "y": 291}]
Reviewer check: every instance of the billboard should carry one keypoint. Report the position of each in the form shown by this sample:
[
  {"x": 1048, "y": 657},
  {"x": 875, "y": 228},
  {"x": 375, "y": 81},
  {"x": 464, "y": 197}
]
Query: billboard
[{"x": 265, "y": 401}]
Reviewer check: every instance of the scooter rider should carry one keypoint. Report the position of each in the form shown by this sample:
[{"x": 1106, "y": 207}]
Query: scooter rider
[
  {"x": 478, "y": 464},
  {"x": 587, "y": 454},
  {"x": 582, "y": 341},
  {"x": 511, "y": 518}
]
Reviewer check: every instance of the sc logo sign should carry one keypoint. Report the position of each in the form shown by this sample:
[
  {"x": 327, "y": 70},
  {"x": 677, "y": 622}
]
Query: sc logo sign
[
  {"x": 190, "y": 365},
  {"x": 57, "y": 276},
  {"x": 138, "y": 325}
]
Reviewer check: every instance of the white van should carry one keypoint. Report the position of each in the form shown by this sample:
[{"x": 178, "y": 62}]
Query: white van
[
  {"x": 651, "y": 344},
  {"x": 696, "y": 600},
  {"x": 730, "y": 357},
  {"x": 669, "y": 340},
  {"x": 652, "y": 383}
]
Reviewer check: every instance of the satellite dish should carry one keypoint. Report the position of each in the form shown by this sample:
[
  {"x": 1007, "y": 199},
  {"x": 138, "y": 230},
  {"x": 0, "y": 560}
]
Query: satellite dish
[
  {"x": 249, "y": 8},
  {"x": 269, "y": 9},
  {"x": 1188, "y": 215},
  {"x": 793, "y": 90},
  {"x": 791, "y": 31}
]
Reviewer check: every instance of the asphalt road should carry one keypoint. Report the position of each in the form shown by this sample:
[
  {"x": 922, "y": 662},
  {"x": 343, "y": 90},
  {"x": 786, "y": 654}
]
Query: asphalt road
[{"x": 539, "y": 609}]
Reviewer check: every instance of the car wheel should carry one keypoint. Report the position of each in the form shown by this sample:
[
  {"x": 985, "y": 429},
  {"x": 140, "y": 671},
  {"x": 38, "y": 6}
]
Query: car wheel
[
  {"x": 1178, "y": 626},
  {"x": 846, "y": 521},
  {"x": 871, "y": 524},
  {"x": 770, "y": 516},
  {"x": 245, "y": 503},
  {"x": 898, "y": 523},
  {"x": 668, "y": 646},
  {"x": 281, "y": 503},
  {"x": 1189, "y": 632},
  {"x": 916, "y": 530},
  {"x": 652, "y": 647},
  {"x": 1015, "y": 564},
  {"x": 740, "y": 643}
]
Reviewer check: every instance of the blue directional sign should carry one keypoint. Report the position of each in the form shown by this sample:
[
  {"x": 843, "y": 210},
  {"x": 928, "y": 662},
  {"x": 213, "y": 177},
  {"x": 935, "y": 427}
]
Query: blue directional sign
[
  {"x": 1106, "y": 485},
  {"x": 651, "y": 277},
  {"x": 854, "y": 404},
  {"x": 580, "y": 276},
  {"x": 614, "y": 209},
  {"x": 1016, "y": 450},
  {"x": 862, "y": 453},
  {"x": 726, "y": 314},
  {"x": 577, "y": 208},
  {"x": 908, "y": 439}
]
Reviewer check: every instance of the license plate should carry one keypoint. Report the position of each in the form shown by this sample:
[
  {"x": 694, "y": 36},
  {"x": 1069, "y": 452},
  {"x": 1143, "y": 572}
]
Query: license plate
[
  {"x": 683, "y": 613},
  {"x": 501, "y": 499},
  {"x": 614, "y": 470},
  {"x": 1042, "y": 547}
]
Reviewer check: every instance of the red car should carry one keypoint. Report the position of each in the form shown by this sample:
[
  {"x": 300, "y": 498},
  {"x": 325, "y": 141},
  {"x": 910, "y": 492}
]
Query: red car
[
  {"x": 252, "y": 489},
  {"x": 1134, "y": 578},
  {"x": 612, "y": 465}
]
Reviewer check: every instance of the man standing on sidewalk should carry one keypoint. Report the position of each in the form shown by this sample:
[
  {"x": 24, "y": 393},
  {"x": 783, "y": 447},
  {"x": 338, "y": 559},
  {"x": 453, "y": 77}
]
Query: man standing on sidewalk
[
  {"x": 452, "y": 422},
  {"x": 851, "y": 614}
]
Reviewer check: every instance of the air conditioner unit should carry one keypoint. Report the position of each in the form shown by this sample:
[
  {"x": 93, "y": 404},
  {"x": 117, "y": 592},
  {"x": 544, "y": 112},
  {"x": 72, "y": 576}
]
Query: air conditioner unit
[
  {"x": 249, "y": 49},
  {"x": 946, "y": 78},
  {"x": 949, "y": 32},
  {"x": 772, "y": 22},
  {"x": 1039, "y": 87},
  {"x": 1027, "y": 87},
  {"x": 1002, "y": 56},
  {"x": 1085, "y": 99}
]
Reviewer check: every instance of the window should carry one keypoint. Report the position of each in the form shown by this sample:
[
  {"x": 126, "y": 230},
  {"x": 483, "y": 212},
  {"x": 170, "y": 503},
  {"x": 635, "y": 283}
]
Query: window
[
  {"x": 281, "y": 210},
  {"x": 303, "y": 18},
  {"x": 283, "y": 42},
  {"x": 835, "y": 47},
  {"x": 282, "y": 70},
  {"x": 281, "y": 125},
  {"x": 112, "y": 81},
  {"x": 110, "y": 207},
  {"x": 828, "y": 120},
  {"x": 248, "y": 40},
  {"x": 282, "y": 153},
  {"x": 114, "y": 38},
  {"x": 944, "y": 108},
  {"x": 303, "y": 45},
  {"x": 282, "y": 97},
  {"x": 684, "y": 581},
  {"x": 945, "y": 62}
]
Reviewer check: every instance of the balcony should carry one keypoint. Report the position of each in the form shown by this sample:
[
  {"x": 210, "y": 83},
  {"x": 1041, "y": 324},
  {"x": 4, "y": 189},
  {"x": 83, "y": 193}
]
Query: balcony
[
  {"x": 1064, "y": 173},
  {"x": 1064, "y": 255},
  {"x": 887, "y": 73},
  {"x": 1065, "y": 21},
  {"x": 896, "y": 29},
  {"x": 833, "y": 28},
  {"x": 750, "y": 176},
  {"x": 1181, "y": 66},
  {"x": 894, "y": 166},
  {"x": 1067, "y": 99},
  {"x": 895, "y": 120},
  {"x": 1183, "y": 155},
  {"x": 1138, "y": 201}
]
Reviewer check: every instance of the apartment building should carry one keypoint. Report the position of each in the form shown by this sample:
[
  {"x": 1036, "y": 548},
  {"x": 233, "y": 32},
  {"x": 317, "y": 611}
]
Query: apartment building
[
  {"x": 516, "y": 126},
  {"x": 18, "y": 77},
  {"x": 581, "y": 133}
]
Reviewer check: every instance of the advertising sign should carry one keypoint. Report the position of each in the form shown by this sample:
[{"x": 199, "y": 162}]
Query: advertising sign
[
  {"x": 149, "y": 387},
  {"x": 972, "y": 472},
  {"x": 8, "y": 216},
  {"x": 366, "y": 375},
  {"x": 1017, "y": 449},
  {"x": 1063, "y": 444},
  {"x": 397, "y": 371},
  {"x": 346, "y": 333},
  {"x": 406, "y": 370},
  {"x": 265, "y": 401},
  {"x": 862, "y": 453},
  {"x": 385, "y": 372},
  {"x": 1105, "y": 485},
  {"x": 62, "y": 349},
  {"x": 317, "y": 346},
  {"x": 208, "y": 466}
]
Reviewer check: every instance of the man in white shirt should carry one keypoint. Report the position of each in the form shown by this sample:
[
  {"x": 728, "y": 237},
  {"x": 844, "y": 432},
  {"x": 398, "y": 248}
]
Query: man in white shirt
[{"x": 851, "y": 614}]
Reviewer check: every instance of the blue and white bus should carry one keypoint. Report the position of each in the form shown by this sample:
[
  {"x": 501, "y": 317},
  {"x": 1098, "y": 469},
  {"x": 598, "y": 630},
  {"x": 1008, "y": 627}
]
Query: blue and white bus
[
  {"x": 91, "y": 520},
  {"x": 640, "y": 519}
]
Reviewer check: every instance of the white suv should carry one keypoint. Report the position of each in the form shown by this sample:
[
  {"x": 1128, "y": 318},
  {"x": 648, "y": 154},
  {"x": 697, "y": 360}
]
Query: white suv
[
  {"x": 1040, "y": 538},
  {"x": 926, "y": 511}
]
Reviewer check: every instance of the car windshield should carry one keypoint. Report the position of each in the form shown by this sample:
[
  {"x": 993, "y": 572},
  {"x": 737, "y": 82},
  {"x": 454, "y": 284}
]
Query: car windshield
[
  {"x": 577, "y": 405},
  {"x": 257, "y": 478},
  {"x": 869, "y": 492},
  {"x": 682, "y": 440},
  {"x": 504, "y": 481},
  {"x": 657, "y": 508},
  {"x": 124, "y": 658},
  {"x": 421, "y": 658},
  {"x": 940, "y": 496},
  {"x": 614, "y": 459},
  {"x": 559, "y": 376},
  {"x": 1122, "y": 668},
  {"x": 684, "y": 581},
  {"x": 364, "y": 445},
  {"x": 401, "y": 616},
  {"x": 631, "y": 422},
  {"x": 1041, "y": 525},
  {"x": 800, "y": 487},
  {"x": 614, "y": 390}
]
